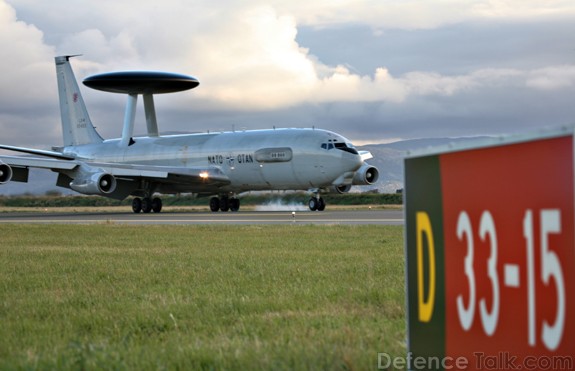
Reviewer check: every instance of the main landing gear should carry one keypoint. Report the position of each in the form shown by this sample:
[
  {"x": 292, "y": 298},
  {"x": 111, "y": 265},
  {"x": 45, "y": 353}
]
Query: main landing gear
[
  {"x": 224, "y": 203},
  {"x": 147, "y": 205},
  {"x": 316, "y": 203}
]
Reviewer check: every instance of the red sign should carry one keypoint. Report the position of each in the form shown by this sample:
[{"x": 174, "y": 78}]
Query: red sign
[
  {"x": 503, "y": 239},
  {"x": 509, "y": 249}
]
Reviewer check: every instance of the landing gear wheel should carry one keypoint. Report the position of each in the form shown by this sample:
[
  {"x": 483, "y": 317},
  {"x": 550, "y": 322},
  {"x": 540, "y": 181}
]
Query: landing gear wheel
[
  {"x": 312, "y": 204},
  {"x": 320, "y": 204},
  {"x": 316, "y": 203},
  {"x": 137, "y": 205},
  {"x": 146, "y": 205},
  {"x": 224, "y": 204},
  {"x": 234, "y": 204},
  {"x": 214, "y": 204},
  {"x": 157, "y": 205}
]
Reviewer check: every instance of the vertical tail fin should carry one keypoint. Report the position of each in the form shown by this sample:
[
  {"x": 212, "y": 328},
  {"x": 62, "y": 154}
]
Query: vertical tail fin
[{"x": 77, "y": 127}]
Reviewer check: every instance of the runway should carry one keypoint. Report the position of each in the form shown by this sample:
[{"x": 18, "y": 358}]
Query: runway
[{"x": 382, "y": 217}]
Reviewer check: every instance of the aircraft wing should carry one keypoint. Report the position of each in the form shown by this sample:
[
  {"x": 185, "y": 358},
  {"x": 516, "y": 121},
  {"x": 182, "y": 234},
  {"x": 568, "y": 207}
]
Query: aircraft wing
[
  {"x": 209, "y": 175},
  {"x": 186, "y": 179},
  {"x": 41, "y": 163},
  {"x": 40, "y": 152}
]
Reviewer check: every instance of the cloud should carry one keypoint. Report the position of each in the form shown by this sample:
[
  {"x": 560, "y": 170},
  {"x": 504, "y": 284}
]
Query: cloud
[
  {"x": 26, "y": 62},
  {"x": 253, "y": 61},
  {"x": 552, "y": 78},
  {"x": 247, "y": 56},
  {"x": 94, "y": 43},
  {"x": 421, "y": 14}
]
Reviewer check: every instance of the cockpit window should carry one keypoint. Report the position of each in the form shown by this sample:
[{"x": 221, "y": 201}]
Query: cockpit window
[
  {"x": 345, "y": 147},
  {"x": 333, "y": 143}
]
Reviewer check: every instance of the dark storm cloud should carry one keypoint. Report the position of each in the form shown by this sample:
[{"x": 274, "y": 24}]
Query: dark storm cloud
[{"x": 452, "y": 49}]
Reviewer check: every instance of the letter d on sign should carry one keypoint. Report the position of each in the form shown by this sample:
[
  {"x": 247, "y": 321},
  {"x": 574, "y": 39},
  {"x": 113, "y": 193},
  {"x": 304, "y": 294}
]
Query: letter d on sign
[{"x": 425, "y": 305}]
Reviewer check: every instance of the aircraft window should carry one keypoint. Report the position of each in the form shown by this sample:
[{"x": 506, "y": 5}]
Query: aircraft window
[
  {"x": 327, "y": 146},
  {"x": 345, "y": 147}
]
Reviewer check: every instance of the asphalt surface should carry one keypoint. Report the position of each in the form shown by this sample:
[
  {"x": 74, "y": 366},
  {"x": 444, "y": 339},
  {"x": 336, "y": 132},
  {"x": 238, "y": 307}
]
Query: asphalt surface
[{"x": 382, "y": 217}]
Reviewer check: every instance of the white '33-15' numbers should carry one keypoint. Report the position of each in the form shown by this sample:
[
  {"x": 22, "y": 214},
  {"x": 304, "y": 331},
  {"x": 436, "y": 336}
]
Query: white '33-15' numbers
[{"x": 550, "y": 269}]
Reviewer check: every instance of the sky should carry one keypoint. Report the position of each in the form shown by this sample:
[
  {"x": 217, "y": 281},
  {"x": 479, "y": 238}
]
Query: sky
[{"x": 374, "y": 71}]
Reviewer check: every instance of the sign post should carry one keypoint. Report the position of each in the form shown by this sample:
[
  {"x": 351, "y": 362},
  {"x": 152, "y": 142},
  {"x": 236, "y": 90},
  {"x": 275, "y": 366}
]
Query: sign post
[{"x": 490, "y": 255}]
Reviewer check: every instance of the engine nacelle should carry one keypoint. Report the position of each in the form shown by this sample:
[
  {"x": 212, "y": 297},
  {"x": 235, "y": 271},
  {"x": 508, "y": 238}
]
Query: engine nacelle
[
  {"x": 344, "y": 188},
  {"x": 5, "y": 173},
  {"x": 94, "y": 184},
  {"x": 366, "y": 175}
]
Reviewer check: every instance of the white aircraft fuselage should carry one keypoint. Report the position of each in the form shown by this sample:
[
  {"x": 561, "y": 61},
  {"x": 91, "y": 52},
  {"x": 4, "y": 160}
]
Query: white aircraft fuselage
[{"x": 280, "y": 159}]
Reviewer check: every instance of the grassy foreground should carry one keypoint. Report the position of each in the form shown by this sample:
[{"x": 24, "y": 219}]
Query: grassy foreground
[{"x": 200, "y": 297}]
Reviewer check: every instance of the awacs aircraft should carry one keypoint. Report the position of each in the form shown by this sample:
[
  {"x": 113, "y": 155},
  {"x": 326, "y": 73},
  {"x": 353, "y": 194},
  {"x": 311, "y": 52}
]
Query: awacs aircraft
[{"x": 222, "y": 165}]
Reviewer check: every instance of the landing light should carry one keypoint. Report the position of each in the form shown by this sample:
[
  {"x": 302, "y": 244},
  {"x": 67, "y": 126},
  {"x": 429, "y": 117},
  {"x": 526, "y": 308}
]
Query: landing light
[{"x": 204, "y": 175}]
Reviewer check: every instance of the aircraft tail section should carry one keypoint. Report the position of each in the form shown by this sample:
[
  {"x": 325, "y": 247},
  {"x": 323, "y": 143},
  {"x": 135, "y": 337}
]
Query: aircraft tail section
[{"x": 77, "y": 127}]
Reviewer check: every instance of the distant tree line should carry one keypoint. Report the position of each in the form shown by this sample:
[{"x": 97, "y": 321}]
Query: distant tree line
[{"x": 56, "y": 200}]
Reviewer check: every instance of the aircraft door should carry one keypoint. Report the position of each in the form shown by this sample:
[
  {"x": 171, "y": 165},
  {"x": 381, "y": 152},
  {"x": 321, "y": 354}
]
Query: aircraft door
[{"x": 276, "y": 167}]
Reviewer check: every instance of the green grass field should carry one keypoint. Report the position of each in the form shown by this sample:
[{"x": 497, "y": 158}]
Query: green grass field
[{"x": 200, "y": 297}]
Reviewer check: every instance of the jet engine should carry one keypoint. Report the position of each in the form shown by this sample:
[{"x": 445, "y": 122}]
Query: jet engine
[
  {"x": 366, "y": 175},
  {"x": 5, "y": 173},
  {"x": 94, "y": 184},
  {"x": 344, "y": 188}
]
